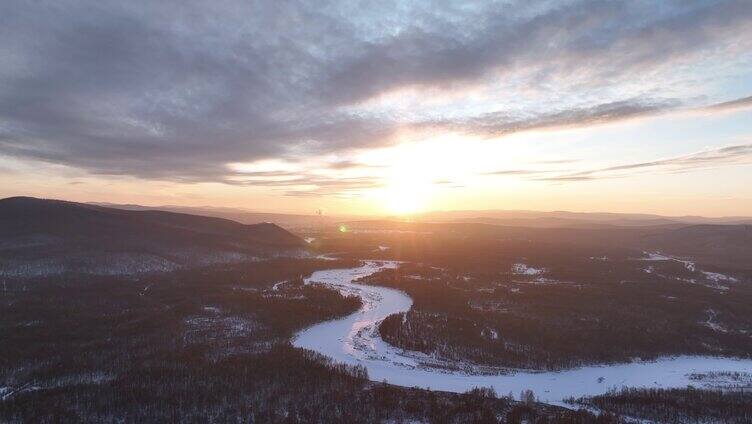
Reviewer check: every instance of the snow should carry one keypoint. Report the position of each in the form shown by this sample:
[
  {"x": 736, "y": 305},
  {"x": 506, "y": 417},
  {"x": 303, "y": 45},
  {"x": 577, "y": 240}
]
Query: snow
[
  {"x": 712, "y": 323},
  {"x": 355, "y": 340},
  {"x": 523, "y": 269},
  {"x": 723, "y": 380},
  {"x": 327, "y": 257},
  {"x": 95, "y": 377},
  {"x": 543, "y": 280},
  {"x": 277, "y": 285},
  {"x": 654, "y": 256},
  {"x": 490, "y": 333},
  {"x": 217, "y": 326},
  {"x": 716, "y": 277},
  {"x": 712, "y": 279}
]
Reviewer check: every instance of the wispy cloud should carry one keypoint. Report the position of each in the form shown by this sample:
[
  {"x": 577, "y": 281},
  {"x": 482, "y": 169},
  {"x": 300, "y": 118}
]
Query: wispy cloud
[
  {"x": 448, "y": 184},
  {"x": 742, "y": 103},
  {"x": 557, "y": 161},
  {"x": 740, "y": 154},
  {"x": 508, "y": 172},
  {"x": 308, "y": 184},
  {"x": 500, "y": 123}
]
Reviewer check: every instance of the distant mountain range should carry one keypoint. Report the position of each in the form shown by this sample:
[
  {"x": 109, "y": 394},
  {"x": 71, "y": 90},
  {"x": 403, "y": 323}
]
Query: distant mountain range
[
  {"x": 512, "y": 218},
  {"x": 292, "y": 221},
  {"x": 564, "y": 219},
  {"x": 43, "y": 237}
]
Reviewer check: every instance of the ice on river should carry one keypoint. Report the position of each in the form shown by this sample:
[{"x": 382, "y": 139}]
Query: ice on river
[{"x": 354, "y": 340}]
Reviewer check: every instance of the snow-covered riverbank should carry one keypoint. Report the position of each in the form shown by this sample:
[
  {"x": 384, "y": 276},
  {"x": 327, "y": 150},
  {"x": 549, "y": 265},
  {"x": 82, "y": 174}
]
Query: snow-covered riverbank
[{"x": 354, "y": 340}]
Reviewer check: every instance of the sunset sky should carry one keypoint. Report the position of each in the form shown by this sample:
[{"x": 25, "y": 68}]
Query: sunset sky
[{"x": 380, "y": 107}]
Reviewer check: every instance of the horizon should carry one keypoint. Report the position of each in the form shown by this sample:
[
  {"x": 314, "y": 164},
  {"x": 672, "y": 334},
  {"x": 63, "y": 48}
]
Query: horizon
[
  {"x": 478, "y": 213},
  {"x": 381, "y": 110}
]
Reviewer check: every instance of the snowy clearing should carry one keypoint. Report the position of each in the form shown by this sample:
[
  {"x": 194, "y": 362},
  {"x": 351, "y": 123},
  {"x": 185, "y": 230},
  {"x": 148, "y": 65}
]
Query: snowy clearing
[
  {"x": 708, "y": 279},
  {"x": 523, "y": 269},
  {"x": 654, "y": 256}
]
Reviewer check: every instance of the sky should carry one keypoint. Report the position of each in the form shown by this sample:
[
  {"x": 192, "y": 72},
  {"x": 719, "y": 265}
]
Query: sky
[{"x": 388, "y": 107}]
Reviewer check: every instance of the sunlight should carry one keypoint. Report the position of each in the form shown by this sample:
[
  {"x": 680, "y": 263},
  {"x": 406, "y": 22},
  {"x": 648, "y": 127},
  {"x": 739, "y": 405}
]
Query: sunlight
[
  {"x": 416, "y": 172},
  {"x": 409, "y": 180},
  {"x": 406, "y": 198}
]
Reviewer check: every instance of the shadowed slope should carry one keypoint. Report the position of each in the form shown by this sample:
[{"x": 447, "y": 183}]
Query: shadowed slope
[{"x": 42, "y": 237}]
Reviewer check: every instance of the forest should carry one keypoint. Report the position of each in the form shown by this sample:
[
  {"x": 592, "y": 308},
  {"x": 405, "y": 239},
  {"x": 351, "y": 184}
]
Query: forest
[
  {"x": 688, "y": 406},
  {"x": 552, "y": 304},
  {"x": 206, "y": 345},
  {"x": 554, "y": 326}
]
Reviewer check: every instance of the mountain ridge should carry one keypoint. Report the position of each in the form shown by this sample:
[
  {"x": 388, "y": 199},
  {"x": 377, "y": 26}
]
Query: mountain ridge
[{"x": 47, "y": 236}]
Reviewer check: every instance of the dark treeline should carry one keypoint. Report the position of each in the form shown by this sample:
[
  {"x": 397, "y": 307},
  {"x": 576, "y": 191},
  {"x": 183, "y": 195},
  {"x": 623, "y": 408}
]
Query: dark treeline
[
  {"x": 53, "y": 320},
  {"x": 686, "y": 406}
]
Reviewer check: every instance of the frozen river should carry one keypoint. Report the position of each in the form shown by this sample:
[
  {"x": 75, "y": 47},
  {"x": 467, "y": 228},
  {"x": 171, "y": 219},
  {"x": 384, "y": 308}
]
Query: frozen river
[{"x": 354, "y": 340}]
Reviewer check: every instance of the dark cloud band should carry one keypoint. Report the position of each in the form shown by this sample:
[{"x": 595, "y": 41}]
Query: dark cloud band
[{"x": 176, "y": 90}]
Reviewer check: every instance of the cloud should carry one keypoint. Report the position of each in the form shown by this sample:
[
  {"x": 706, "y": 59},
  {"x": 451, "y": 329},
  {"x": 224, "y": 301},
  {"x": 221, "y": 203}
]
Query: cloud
[
  {"x": 508, "y": 172},
  {"x": 740, "y": 154},
  {"x": 557, "y": 161},
  {"x": 307, "y": 183},
  {"x": 176, "y": 90},
  {"x": 742, "y": 103},
  {"x": 605, "y": 40},
  {"x": 497, "y": 124},
  {"x": 349, "y": 164},
  {"x": 448, "y": 184}
]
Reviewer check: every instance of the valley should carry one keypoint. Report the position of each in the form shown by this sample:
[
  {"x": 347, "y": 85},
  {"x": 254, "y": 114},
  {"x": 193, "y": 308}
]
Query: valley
[{"x": 417, "y": 322}]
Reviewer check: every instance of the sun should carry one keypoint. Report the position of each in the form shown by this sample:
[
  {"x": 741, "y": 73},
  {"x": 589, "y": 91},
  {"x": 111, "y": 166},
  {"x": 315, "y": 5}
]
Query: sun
[
  {"x": 416, "y": 175},
  {"x": 408, "y": 190},
  {"x": 405, "y": 199}
]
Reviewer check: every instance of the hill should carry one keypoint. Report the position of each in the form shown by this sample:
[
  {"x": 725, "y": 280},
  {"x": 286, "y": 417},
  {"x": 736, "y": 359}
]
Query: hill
[
  {"x": 42, "y": 237},
  {"x": 293, "y": 221}
]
